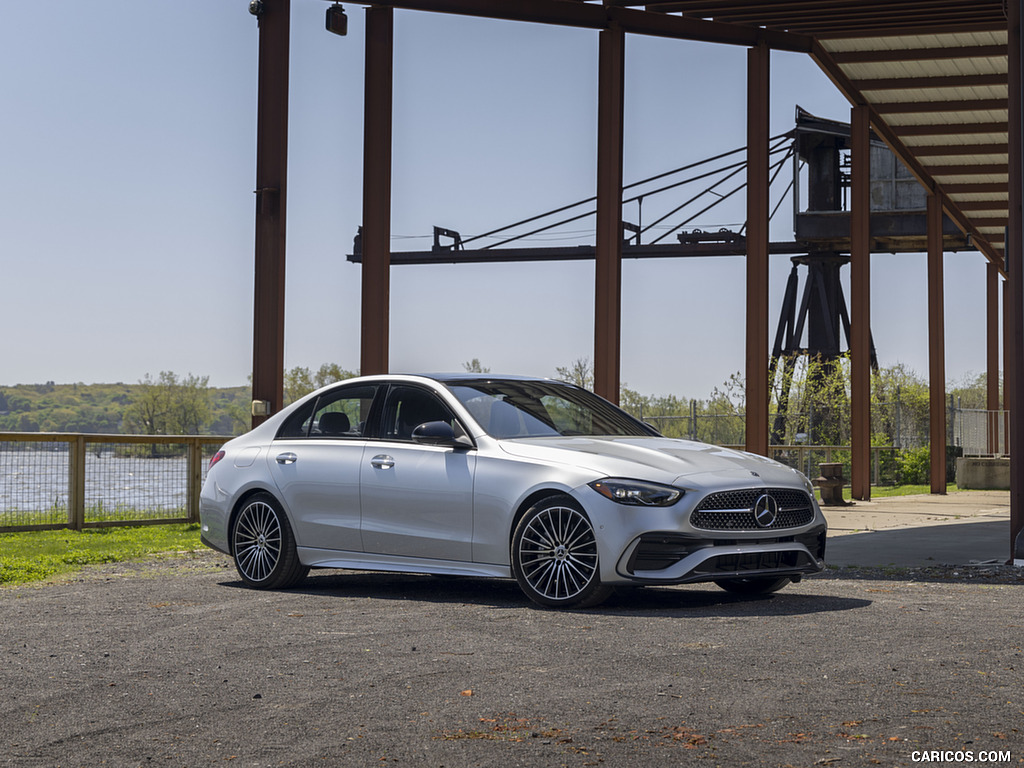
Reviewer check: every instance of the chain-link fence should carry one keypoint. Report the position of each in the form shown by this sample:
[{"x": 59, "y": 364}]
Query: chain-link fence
[{"x": 981, "y": 433}]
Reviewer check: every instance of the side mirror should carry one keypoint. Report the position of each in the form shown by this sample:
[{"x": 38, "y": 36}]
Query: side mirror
[{"x": 439, "y": 433}]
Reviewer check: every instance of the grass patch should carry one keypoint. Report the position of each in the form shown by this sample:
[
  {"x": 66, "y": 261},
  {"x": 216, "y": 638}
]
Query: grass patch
[
  {"x": 37, "y": 555},
  {"x": 885, "y": 491}
]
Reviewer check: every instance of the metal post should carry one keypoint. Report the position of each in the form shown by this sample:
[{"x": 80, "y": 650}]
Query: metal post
[
  {"x": 758, "y": 62},
  {"x": 271, "y": 178},
  {"x": 992, "y": 356},
  {"x": 936, "y": 348},
  {"x": 1008, "y": 375},
  {"x": 608, "y": 274},
  {"x": 860, "y": 304},
  {"x": 376, "y": 239},
  {"x": 1015, "y": 277}
]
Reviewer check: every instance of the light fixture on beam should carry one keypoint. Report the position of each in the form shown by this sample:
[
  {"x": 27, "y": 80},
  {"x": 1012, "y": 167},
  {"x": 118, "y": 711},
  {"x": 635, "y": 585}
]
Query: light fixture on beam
[{"x": 337, "y": 21}]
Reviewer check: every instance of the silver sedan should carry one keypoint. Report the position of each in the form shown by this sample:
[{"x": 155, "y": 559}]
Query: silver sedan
[{"x": 504, "y": 477}]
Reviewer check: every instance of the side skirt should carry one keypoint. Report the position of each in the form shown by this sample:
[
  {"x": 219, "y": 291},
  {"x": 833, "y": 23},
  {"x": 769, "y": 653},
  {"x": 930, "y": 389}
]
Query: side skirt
[{"x": 362, "y": 561}]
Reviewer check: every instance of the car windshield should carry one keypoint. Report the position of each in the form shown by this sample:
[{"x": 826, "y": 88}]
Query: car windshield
[{"x": 507, "y": 409}]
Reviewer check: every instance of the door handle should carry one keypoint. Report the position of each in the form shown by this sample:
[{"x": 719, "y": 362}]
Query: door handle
[
  {"x": 382, "y": 461},
  {"x": 287, "y": 458}
]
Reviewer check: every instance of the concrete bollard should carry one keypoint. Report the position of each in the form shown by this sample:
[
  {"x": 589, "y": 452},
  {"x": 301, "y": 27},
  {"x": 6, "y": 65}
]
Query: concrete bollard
[{"x": 830, "y": 484}]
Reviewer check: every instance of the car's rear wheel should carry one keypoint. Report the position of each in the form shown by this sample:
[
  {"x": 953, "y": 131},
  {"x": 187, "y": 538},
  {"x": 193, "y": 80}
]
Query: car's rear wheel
[
  {"x": 554, "y": 555},
  {"x": 264, "y": 546},
  {"x": 761, "y": 585}
]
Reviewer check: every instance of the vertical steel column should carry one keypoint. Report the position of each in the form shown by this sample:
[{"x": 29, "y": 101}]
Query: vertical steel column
[
  {"x": 936, "y": 347},
  {"x": 376, "y": 239},
  {"x": 608, "y": 276},
  {"x": 1008, "y": 375},
  {"x": 860, "y": 303},
  {"x": 758, "y": 61},
  {"x": 992, "y": 355},
  {"x": 271, "y": 178},
  {"x": 1014, "y": 250}
]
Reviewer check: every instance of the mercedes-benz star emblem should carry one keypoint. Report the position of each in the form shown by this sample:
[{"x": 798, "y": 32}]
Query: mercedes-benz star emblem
[{"x": 766, "y": 510}]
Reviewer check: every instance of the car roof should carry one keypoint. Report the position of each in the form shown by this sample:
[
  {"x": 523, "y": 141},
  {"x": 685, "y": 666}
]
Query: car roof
[{"x": 454, "y": 378}]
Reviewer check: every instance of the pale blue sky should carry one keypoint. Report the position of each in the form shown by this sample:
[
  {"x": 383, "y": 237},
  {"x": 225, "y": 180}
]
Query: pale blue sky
[{"x": 128, "y": 164}]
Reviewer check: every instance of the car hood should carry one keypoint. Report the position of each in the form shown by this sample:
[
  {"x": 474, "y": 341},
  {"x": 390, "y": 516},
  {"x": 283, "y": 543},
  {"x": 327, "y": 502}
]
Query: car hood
[{"x": 679, "y": 462}]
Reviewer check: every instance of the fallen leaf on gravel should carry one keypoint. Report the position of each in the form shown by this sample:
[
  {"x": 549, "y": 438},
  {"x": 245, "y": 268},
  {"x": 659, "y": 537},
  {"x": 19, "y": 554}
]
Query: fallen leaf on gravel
[{"x": 467, "y": 692}]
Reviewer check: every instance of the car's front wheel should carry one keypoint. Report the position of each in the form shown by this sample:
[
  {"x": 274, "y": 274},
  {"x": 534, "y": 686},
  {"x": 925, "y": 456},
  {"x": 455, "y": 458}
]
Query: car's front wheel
[
  {"x": 554, "y": 555},
  {"x": 264, "y": 546},
  {"x": 761, "y": 585}
]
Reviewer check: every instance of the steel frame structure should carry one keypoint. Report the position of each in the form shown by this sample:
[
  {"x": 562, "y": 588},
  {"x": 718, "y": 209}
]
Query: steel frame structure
[{"x": 953, "y": 145}]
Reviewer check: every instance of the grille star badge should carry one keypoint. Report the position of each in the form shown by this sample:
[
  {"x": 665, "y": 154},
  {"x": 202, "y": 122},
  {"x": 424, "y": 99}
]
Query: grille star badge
[{"x": 766, "y": 511}]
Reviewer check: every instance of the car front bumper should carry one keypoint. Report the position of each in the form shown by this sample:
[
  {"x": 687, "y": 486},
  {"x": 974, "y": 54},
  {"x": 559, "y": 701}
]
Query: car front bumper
[
  {"x": 660, "y": 545},
  {"x": 671, "y": 558}
]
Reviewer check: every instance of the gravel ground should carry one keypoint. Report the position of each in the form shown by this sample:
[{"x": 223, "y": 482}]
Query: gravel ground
[{"x": 172, "y": 662}]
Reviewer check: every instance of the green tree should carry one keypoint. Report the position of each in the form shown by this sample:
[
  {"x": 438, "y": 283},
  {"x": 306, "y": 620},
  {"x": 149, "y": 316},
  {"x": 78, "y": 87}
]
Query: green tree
[
  {"x": 474, "y": 366},
  {"x": 580, "y": 372},
  {"x": 300, "y": 381},
  {"x": 170, "y": 405}
]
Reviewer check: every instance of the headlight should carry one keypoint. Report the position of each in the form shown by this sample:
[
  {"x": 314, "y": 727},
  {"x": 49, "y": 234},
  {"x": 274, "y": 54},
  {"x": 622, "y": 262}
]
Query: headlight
[{"x": 637, "y": 492}]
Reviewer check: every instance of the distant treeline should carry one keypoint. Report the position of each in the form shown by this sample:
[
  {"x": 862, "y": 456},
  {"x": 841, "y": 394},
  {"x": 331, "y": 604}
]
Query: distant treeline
[{"x": 108, "y": 408}]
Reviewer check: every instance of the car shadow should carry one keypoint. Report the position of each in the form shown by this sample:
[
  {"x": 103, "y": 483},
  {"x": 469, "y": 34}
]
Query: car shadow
[{"x": 681, "y": 601}]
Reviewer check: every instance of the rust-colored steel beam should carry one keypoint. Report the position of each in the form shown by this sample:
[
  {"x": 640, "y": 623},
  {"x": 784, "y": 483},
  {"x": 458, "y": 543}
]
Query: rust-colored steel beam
[
  {"x": 992, "y": 355},
  {"x": 920, "y": 54},
  {"x": 936, "y": 347},
  {"x": 951, "y": 129},
  {"x": 860, "y": 303},
  {"x": 608, "y": 255},
  {"x": 376, "y": 238},
  {"x": 271, "y": 179},
  {"x": 1014, "y": 361},
  {"x": 966, "y": 170},
  {"x": 948, "y": 150},
  {"x": 920, "y": 107},
  {"x": 937, "y": 81},
  {"x": 758, "y": 79},
  {"x": 594, "y": 16}
]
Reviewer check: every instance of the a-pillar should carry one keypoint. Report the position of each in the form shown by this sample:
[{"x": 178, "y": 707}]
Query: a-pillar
[
  {"x": 376, "y": 232},
  {"x": 271, "y": 178},
  {"x": 936, "y": 347},
  {"x": 758, "y": 60},
  {"x": 860, "y": 303},
  {"x": 608, "y": 275}
]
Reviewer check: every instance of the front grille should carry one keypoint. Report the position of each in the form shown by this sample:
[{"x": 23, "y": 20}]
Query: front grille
[{"x": 734, "y": 510}]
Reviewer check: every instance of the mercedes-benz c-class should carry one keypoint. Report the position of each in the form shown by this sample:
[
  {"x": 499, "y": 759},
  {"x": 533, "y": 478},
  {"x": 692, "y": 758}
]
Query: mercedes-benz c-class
[{"x": 507, "y": 477}]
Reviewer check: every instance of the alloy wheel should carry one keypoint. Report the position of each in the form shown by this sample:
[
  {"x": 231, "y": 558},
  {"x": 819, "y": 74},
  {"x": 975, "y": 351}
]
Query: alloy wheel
[
  {"x": 557, "y": 553},
  {"x": 257, "y": 541}
]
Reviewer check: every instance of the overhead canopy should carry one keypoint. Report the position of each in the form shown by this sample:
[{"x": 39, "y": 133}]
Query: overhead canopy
[{"x": 933, "y": 73}]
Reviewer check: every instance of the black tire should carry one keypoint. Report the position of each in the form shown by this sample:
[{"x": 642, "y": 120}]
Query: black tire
[
  {"x": 263, "y": 545},
  {"x": 761, "y": 585},
  {"x": 554, "y": 556}
]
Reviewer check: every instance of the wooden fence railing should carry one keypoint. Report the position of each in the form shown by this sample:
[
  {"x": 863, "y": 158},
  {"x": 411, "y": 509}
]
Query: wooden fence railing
[{"x": 52, "y": 480}]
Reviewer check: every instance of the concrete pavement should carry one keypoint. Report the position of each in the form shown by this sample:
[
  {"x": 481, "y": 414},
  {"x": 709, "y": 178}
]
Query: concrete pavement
[{"x": 959, "y": 528}]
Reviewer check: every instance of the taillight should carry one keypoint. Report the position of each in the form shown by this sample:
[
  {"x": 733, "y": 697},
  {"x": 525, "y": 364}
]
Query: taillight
[{"x": 216, "y": 457}]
